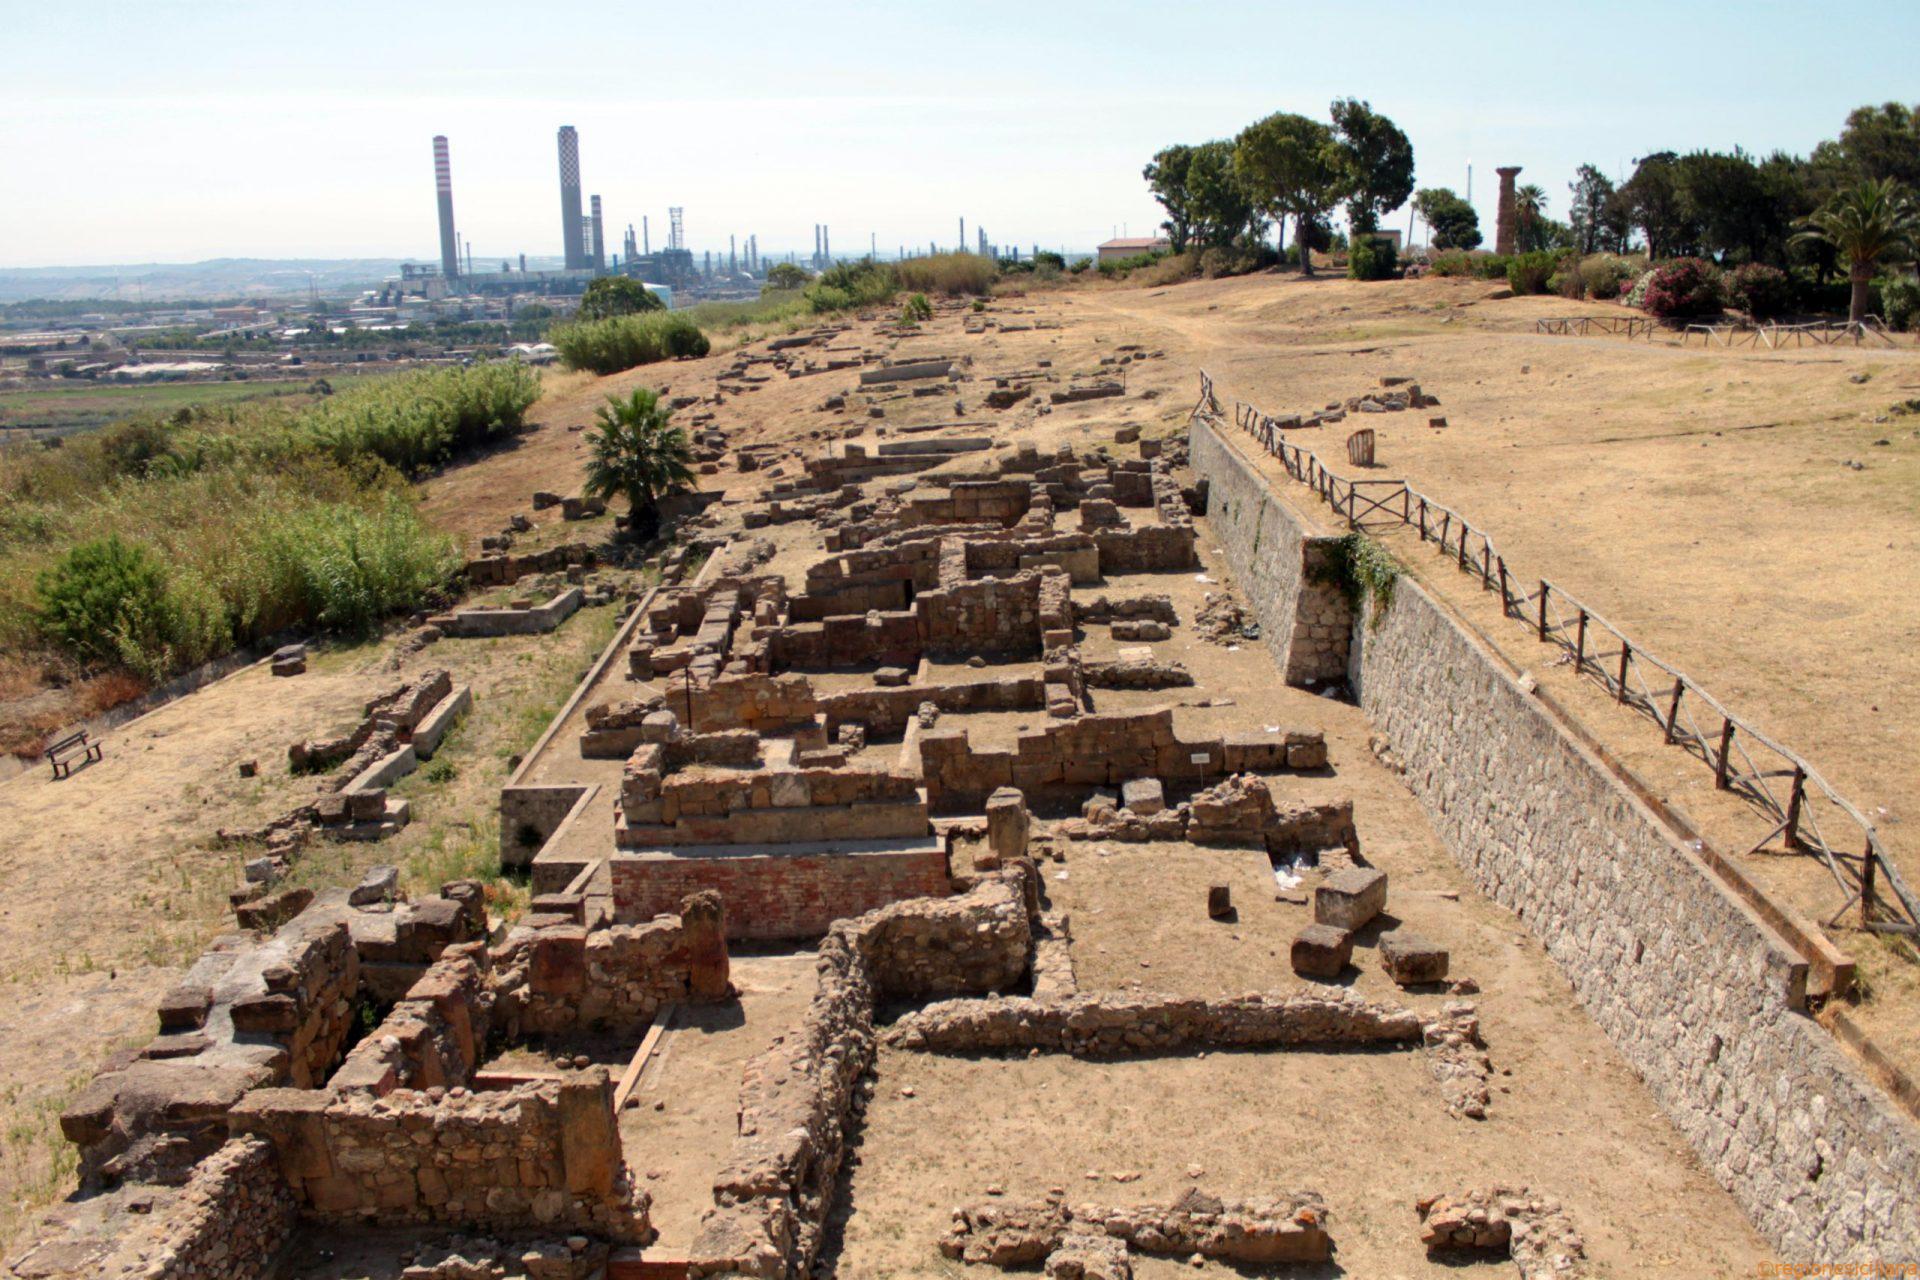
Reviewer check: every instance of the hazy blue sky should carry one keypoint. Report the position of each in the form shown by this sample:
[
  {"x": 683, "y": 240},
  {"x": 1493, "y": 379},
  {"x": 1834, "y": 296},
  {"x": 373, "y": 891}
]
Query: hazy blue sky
[{"x": 173, "y": 130}]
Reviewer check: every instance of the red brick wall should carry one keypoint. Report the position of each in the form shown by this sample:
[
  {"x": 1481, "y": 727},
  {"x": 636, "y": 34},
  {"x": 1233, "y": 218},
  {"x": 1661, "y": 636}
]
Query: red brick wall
[{"x": 780, "y": 896}]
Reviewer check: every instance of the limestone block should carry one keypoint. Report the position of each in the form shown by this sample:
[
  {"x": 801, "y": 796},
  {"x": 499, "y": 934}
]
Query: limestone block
[
  {"x": 1410, "y": 959},
  {"x": 1144, "y": 796},
  {"x": 1008, "y": 825},
  {"x": 1219, "y": 901},
  {"x": 1351, "y": 897},
  {"x": 1090, "y": 1257},
  {"x": 1321, "y": 951}
]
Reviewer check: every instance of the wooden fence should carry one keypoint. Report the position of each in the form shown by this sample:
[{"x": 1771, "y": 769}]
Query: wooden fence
[
  {"x": 1776, "y": 337},
  {"x": 1583, "y": 326},
  {"x": 1804, "y": 812}
]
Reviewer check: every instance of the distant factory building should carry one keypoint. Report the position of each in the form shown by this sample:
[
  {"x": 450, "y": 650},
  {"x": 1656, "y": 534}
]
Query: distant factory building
[{"x": 1132, "y": 247}]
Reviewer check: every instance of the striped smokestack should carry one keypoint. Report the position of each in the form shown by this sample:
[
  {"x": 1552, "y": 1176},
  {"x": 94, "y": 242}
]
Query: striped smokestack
[
  {"x": 599, "y": 238},
  {"x": 443, "y": 184},
  {"x": 572, "y": 242}
]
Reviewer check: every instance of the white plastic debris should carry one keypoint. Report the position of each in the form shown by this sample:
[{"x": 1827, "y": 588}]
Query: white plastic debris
[{"x": 1201, "y": 577}]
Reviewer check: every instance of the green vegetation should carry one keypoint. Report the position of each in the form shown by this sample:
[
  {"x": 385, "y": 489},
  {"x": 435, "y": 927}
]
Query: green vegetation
[
  {"x": 1293, "y": 167},
  {"x": 625, "y": 342},
  {"x": 610, "y": 296},
  {"x": 1529, "y": 272},
  {"x": 1867, "y": 225},
  {"x": 1452, "y": 221},
  {"x": 639, "y": 455},
  {"x": 955, "y": 275},
  {"x": 161, "y": 542},
  {"x": 1363, "y": 570},
  {"x": 65, "y": 406},
  {"x": 784, "y": 277},
  {"x": 916, "y": 310},
  {"x": 1376, "y": 165}
]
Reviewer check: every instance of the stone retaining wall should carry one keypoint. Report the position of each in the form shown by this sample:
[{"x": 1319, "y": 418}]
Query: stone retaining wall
[
  {"x": 1702, "y": 999},
  {"x": 1304, "y": 618}
]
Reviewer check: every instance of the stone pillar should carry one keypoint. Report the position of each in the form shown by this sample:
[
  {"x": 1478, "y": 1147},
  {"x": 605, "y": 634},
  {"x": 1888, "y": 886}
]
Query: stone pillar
[
  {"x": 703, "y": 928},
  {"x": 1506, "y": 230},
  {"x": 589, "y": 1133},
  {"x": 1007, "y": 826}
]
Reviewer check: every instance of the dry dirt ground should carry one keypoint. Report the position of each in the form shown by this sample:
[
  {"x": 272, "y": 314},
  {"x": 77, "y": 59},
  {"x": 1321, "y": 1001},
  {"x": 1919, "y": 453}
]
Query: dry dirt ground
[
  {"x": 1752, "y": 558},
  {"x": 1699, "y": 499}
]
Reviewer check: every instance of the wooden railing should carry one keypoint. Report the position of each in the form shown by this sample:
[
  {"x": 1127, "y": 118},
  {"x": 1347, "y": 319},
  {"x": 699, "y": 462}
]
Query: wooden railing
[{"x": 1803, "y": 811}]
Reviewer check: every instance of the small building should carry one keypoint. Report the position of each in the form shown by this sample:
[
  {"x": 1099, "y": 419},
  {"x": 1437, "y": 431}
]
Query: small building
[{"x": 1132, "y": 247}]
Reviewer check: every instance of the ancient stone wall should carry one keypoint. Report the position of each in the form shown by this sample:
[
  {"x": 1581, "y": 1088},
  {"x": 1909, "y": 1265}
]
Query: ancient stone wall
[
  {"x": 543, "y": 1155},
  {"x": 1112, "y": 1025},
  {"x": 1702, "y": 999},
  {"x": 778, "y": 895},
  {"x": 771, "y": 1197},
  {"x": 1101, "y": 750},
  {"x": 561, "y": 976},
  {"x": 1304, "y": 618},
  {"x": 710, "y": 805}
]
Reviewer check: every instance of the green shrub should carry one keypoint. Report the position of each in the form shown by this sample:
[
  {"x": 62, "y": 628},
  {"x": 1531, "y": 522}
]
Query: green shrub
[
  {"x": 1683, "y": 288},
  {"x": 1048, "y": 258},
  {"x": 1491, "y": 266},
  {"x": 1451, "y": 262},
  {"x": 1372, "y": 258},
  {"x": 100, "y": 594},
  {"x": 1605, "y": 275},
  {"x": 346, "y": 567},
  {"x": 1529, "y": 272},
  {"x": 847, "y": 285},
  {"x": 626, "y": 342},
  {"x": 422, "y": 418},
  {"x": 1761, "y": 291},
  {"x": 611, "y": 296},
  {"x": 1899, "y": 301},
  {"x": 917, "y": 309}
]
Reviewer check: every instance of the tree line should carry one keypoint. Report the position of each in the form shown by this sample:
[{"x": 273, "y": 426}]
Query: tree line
[
  {"x": 1227, "y": 193},
  {"x": 1731, "y": 208}
]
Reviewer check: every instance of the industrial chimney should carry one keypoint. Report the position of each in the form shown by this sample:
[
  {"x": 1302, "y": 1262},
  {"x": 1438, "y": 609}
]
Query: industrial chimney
[
  {"x": 443, "y": 184},
  {"x": 573, "y": 244},
  {"x": 599, "y": 239}
]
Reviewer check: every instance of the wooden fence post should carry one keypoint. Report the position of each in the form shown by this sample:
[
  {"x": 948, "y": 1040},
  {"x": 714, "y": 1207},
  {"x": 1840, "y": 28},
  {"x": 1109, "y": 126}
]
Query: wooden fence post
[
  {"x": 1580, "y": 643},
  {"x": 1793, "y": 806},
  {"x": 1726, "y": 756},
  {"x": 1866, "y": 887},
  {"x": 1626, "y": 655},
  {"x": 1504, "y": 610},
  {"x": 1673, "y": 708},
  {"x": 1543, "y": 611}
]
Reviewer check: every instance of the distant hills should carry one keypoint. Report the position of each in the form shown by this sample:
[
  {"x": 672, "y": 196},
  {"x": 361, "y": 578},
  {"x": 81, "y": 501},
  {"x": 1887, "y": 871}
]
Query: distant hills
[{"x": 214, "y": 278}]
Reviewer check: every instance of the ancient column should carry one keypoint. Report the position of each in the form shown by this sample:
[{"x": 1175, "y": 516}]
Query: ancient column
[{"x": 1506, "y": 230}]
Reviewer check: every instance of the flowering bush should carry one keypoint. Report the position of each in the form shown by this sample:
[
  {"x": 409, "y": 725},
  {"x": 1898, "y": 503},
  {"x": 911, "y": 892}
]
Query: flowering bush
[
  {"x": 1683, "y": 288},
  {"x": 1761, "y": 291},
  {"x": 1636, "y": 293}
]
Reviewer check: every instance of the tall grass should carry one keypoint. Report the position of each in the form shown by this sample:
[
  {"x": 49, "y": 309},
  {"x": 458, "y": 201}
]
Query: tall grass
[
  {"x": 624, "y": 342},
  {"x": 954, "y": 274},
  {"x": 252, "y": 519}
]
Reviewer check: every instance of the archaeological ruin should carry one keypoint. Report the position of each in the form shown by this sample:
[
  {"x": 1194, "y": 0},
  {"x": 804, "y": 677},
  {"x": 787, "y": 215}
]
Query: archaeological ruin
[{"x": 919, "y": 867}]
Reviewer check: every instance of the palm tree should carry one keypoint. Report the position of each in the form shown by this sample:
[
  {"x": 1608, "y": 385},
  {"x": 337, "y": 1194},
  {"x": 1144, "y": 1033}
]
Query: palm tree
[
  {"x": 638, "y": 455},
  {"x": 1529, "y": 207},
  {"x": 1868, "y": 225}
]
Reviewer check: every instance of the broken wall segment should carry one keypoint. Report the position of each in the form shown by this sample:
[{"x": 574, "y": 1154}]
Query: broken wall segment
[
  {"x": 1110, "y": 1025},
  {"x": 539, "y": 1156},
  {"x": 780, "y": 895},
  {"x": 1286, "y": 1227}
]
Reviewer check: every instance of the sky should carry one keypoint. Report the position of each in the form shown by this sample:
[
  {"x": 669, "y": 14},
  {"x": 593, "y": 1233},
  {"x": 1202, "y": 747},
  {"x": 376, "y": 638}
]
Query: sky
[{"x": 179, "y": 130}]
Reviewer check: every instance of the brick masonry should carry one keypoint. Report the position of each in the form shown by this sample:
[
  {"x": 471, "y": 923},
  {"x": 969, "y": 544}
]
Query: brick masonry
[{"x": 1691, "y": 987}]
